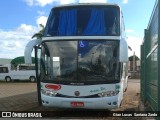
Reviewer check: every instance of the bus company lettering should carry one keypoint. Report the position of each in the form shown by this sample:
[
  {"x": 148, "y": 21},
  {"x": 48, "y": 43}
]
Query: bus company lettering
[
  {"x": 34, "y": 115},
  {"x": 53, "y": 86},
  {"x": 24, "y": 115},
  {"x": 98, "y": 90}
]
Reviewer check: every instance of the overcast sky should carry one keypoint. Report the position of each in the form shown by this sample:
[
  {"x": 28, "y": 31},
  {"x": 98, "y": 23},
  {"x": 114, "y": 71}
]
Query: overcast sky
[{"x": 19, "y": 20}]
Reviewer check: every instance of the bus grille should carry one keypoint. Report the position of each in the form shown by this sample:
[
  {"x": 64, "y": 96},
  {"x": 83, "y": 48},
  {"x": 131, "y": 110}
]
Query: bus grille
[{"x": 66, "y": 96}]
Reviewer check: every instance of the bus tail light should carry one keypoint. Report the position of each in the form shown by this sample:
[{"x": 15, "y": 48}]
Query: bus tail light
[
  {"x": 49, "y": 93},
  {"x": 108, "y": 94}
]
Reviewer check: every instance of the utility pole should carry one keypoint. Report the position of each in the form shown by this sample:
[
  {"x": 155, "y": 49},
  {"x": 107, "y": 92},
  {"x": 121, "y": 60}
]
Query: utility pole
[{"x": 134, "y": 64}]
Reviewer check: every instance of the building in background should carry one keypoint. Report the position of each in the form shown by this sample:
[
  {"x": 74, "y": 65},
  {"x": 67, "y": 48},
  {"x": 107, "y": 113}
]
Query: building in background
[{"x": 134, "y": 67}]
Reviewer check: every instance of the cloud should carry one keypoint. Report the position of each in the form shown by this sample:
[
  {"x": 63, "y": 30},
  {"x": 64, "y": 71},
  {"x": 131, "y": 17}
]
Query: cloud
[
  {"x": 125, "y": 1},
  {"x": 13, "y": 42},
  {"x": 41, "y": 12},
  {"x": 134, "y": 42},
  {"x": 29, "y": 2},
  {"x": 24, "y": 29},
  {"x": 43, "y": 3},
  {"x": 130, "y": 31},
  {"x": 41, "y": 20},
  {"x": 92, "y": 1},
  {"x": 66, "y": 1}
]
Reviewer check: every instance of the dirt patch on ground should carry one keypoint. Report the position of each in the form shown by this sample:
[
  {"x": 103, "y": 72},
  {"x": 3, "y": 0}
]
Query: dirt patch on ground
[
  {"x": 131, "y": 97},
  {"x": 130, "y": 102}
]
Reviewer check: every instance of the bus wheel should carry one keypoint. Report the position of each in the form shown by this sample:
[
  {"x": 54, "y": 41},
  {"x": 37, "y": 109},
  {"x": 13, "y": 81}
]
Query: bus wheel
[
  {"x": 8, "y": 79},
  {"x": 32, "y": 79}
]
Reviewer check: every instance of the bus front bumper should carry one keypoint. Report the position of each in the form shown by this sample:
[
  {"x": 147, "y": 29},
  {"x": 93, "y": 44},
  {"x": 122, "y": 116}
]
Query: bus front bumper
[{"x": 84, "y": 103}]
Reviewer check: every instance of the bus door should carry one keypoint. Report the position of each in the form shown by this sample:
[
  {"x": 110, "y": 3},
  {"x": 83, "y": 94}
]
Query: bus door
[{"x": 37, "y": 66}]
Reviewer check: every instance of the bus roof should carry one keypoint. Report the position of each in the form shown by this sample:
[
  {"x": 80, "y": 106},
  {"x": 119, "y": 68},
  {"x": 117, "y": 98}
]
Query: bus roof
[{"x": 85, "y": 4}]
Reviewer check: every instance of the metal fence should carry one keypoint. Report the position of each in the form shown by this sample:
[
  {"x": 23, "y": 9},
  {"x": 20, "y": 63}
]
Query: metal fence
[{"x": 150, "y": 62}]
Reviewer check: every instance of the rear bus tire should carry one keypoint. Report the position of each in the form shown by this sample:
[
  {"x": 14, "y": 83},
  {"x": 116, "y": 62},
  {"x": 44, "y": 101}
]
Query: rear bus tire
[
  {"x": 8, "y": 79},
  {"x": 32, "y": 79}
]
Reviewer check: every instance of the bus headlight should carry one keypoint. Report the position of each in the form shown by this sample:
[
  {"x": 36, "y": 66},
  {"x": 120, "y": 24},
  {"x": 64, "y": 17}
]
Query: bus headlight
[
  {"x": 108, "y": 94},
  {"x": 49, "y": 93}
]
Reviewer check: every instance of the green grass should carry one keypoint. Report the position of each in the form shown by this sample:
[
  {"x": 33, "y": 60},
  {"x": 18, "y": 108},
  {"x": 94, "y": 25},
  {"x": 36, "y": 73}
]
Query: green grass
[{"x": 2, "y": 81}]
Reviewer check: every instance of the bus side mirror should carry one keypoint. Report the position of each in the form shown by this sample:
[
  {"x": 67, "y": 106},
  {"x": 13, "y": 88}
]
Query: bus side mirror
[
  {"x": 123, "y": 51},
  {"x": 28, "y": 50}
]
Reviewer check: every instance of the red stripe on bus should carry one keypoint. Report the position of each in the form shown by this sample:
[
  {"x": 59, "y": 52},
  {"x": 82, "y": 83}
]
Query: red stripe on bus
[{"x": 53, "y": 86}]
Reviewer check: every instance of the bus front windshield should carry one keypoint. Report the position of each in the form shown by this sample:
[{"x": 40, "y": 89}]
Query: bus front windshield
[
  {"x": 80, "y": 60},
  {"x": 84, "y": 20}
]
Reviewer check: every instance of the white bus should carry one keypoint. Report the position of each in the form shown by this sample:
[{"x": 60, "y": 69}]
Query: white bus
[
  {"x": 82, "y": 58},
  {"x": 22, "y": 72}
]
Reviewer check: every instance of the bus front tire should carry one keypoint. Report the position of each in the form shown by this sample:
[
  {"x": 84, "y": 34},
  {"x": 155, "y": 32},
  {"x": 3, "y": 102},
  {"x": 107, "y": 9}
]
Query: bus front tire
[
  {"x": 8, "y": 79},
  {"x": 32, "y": 79}
]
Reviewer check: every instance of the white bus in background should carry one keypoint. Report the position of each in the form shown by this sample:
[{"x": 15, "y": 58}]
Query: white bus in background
[
  {"x": 81, "y": 61},
  {"x": 22, "y": 72}
]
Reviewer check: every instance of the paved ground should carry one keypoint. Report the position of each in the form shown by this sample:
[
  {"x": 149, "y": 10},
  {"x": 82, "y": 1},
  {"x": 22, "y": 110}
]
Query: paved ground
[
  {"x": 131, "y": 97},
  {"x": 17, "y": 96},
  {"x": 20, "y": 102},
  {"x": 16, "y": 88},
  {"x": 22, "y": 96}
]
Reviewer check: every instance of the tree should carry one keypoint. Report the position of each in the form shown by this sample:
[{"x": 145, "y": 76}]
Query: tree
[
  {"x": 39, "y": 35},
  {"x": 20, "y": 60}
]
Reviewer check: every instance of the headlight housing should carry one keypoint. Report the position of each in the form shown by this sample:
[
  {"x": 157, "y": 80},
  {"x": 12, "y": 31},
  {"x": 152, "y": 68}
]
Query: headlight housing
[
  {"x": 49, "y": 93},
  {"x": 108, "y": 94}
]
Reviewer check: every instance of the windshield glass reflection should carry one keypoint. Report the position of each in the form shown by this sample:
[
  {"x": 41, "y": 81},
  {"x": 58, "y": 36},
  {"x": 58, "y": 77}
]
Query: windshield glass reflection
[{"x": 92, "y": 60}]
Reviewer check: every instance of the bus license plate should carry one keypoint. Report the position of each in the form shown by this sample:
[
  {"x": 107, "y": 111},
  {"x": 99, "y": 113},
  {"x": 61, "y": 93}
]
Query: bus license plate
[{"x": 77, "y": 104}]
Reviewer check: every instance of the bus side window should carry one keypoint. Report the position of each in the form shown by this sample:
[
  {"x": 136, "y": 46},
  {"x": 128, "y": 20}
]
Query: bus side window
[{"x": 3, "y": 70}]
